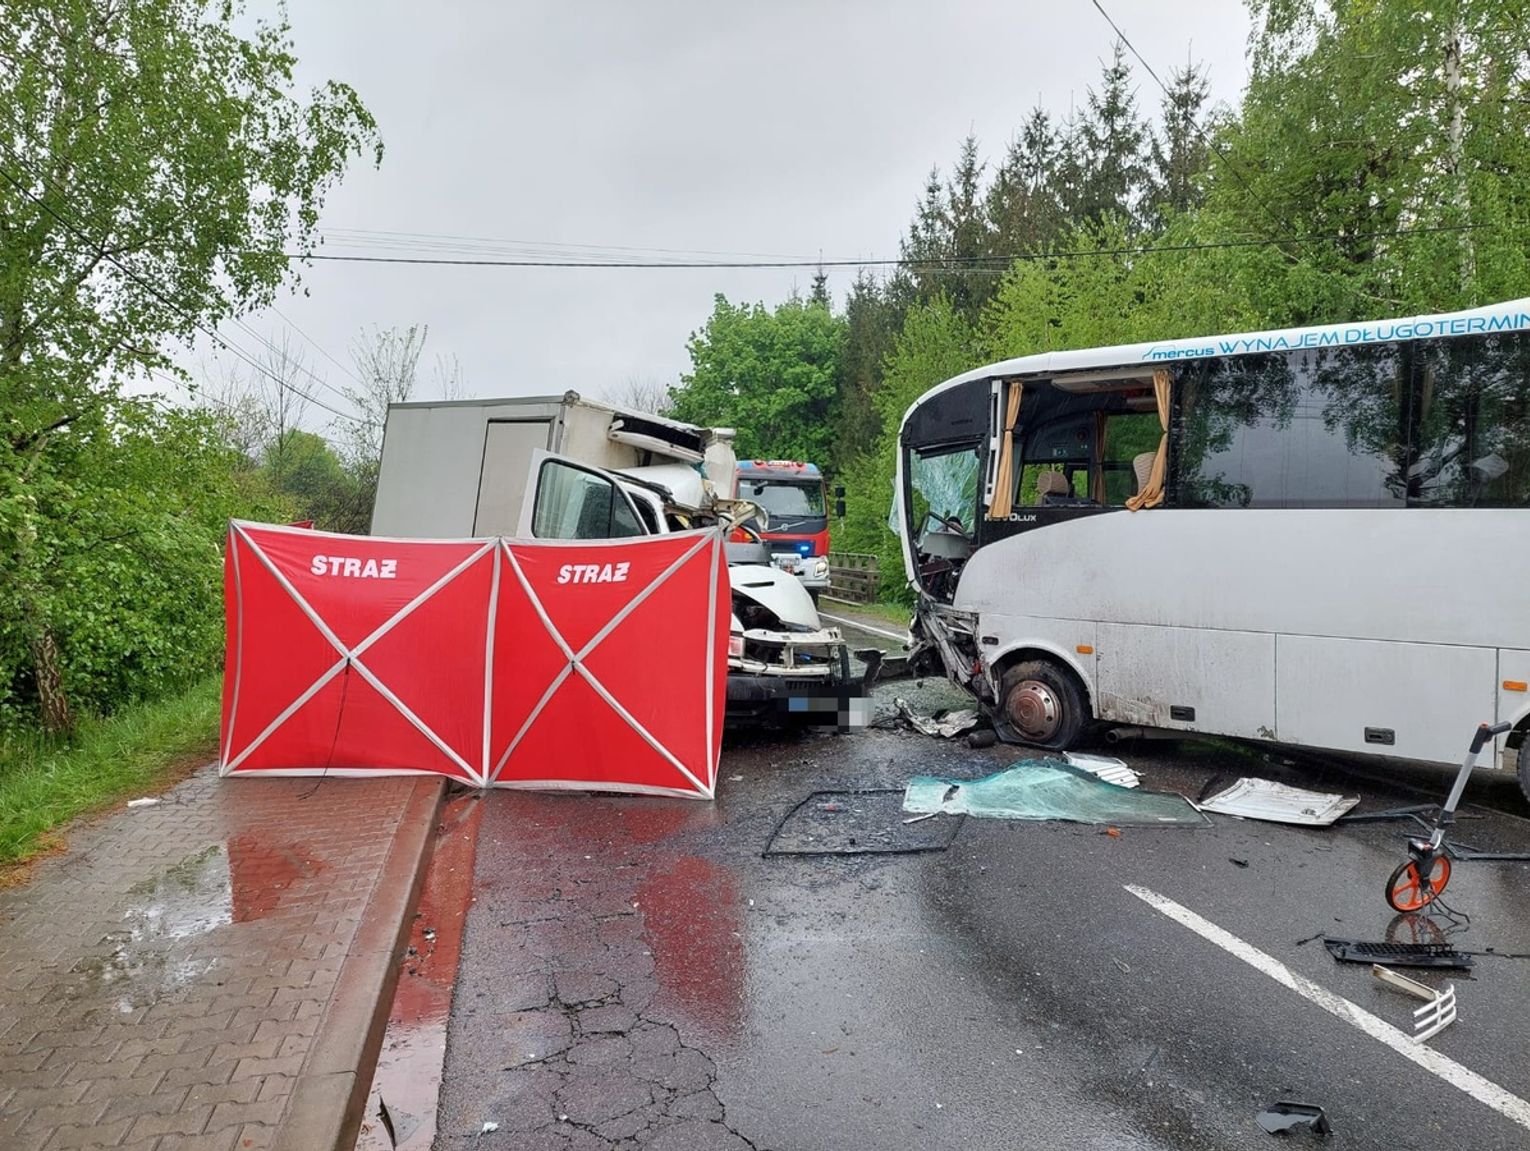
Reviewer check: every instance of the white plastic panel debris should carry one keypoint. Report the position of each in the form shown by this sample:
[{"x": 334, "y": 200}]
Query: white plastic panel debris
[
  {"x": 1277, "y": 803},
  {"x": 1439, "y": 1009},
  {"x": 1107, "y": 767}
]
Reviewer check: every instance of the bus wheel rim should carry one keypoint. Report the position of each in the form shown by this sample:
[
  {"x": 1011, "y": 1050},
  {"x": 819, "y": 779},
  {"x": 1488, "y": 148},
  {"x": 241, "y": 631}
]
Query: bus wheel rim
[{"x": 1035, "y": 710}]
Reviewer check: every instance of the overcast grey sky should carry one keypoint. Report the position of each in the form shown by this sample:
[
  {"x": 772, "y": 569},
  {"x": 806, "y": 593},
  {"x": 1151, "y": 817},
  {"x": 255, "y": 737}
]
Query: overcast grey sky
[{"x": 785, "y": 128}]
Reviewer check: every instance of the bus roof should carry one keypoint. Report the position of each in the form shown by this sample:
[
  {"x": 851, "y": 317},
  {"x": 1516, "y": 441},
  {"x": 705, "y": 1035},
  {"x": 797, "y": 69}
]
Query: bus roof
[
  {"x": 1511, "y": 316},
  {"x": 778, "y": 469}
]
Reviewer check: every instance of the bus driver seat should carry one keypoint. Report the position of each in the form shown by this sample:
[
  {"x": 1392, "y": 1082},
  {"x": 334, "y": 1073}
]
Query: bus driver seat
[{"x": 1050, "y": 485}]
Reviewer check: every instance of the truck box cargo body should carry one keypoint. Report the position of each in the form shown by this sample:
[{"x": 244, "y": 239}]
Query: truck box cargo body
[
  {"x": 563, "y": 467},
  {"x": 459, "y": 468}
]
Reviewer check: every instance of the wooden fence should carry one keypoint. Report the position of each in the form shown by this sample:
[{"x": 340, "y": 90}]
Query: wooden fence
[{"x": 853, "y": 577}]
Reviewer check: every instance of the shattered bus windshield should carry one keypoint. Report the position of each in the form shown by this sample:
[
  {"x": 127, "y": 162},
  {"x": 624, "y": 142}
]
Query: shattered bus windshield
[{"x": 944, "y": 484}]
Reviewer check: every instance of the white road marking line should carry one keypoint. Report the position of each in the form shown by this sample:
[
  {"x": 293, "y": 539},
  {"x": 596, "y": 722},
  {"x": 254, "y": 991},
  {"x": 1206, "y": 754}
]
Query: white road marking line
[
  {"x": 859, "y": 626},
  {"x": 1506, "y": 1103}
]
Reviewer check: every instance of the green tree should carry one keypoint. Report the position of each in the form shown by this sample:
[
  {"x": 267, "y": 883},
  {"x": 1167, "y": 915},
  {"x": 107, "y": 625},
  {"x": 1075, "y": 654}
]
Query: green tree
[
  {"x": 1179, "y": 155},
  {"x": 155, "y": 166},
  {"x": 1024, "y": 207},
  {"x": 770, "y": 374},
  {"x": 1113, "y": 139},
  {"x": 950, "y": 235},
  {"x": 936, "y": 343},
  {"x": 1364, "y": 119},
  {"x": 130, "y": 508},
  {"x": 871, "y": 322}
]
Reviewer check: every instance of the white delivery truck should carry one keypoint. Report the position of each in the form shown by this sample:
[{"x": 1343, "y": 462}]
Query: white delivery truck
[{"x": 564, "y": 467}]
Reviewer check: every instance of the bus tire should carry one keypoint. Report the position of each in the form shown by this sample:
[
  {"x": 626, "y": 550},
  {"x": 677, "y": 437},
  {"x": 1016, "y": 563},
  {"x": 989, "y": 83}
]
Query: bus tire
[
  {"x": 1522, "y": 766},
  {"x": 1040, "y": 704}
]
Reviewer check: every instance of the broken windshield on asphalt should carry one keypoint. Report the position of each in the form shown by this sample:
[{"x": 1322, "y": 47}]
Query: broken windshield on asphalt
[{"x": 1042, "y": 790}]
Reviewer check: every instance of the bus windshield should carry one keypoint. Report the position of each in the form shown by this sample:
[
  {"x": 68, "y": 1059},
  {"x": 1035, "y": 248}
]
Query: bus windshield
[{"x": 786, "y": 499}]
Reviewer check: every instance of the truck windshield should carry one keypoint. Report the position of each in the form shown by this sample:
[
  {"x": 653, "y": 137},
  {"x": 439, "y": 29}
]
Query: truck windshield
[{"x": 785, "y": 498}]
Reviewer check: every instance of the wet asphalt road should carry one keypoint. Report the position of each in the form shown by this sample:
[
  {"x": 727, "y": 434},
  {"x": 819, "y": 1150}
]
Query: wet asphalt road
[{"x": 636, "y": 974}]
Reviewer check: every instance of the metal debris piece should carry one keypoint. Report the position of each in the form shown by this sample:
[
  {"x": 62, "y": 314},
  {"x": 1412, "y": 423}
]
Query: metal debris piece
[
  {"x": 1438, "y": 1011},
  {"x": 1399, "y": 954},
  {"x": 1277, "y": 803},
  {"x": 943, "y": 724},
  {"x": 1281, "y": 1118},
  {"x": 1107, "y": 767}
]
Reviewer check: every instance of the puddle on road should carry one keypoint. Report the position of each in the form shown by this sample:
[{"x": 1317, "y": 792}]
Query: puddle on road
[{"x": 407, "y": 1079}]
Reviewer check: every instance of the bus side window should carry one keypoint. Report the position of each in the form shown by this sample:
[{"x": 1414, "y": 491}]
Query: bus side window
[
  {"x": 1065, "y": 446},
  {"x": 1128, "y": 435}
]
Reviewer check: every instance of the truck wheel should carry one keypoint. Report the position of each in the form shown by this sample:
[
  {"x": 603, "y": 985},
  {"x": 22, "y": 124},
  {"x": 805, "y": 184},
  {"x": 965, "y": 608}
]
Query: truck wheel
[
  {"x": 1522, "y": 764},
  {"x": 1039, "y": 704}
]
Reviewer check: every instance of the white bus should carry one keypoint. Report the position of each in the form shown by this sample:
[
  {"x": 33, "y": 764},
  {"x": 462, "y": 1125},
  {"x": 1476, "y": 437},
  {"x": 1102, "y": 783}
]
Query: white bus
[{"x": 1067, "y": 520}]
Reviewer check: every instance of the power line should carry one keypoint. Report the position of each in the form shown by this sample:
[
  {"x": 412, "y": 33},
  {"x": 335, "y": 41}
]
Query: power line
[
  {"x": 323, "y": 351},
  {"x": 448, "y": 243},
  {"x": 1212, "y": 145},
  {"x": 133, "y": 275},
  {"x": 995, "y": 263}
]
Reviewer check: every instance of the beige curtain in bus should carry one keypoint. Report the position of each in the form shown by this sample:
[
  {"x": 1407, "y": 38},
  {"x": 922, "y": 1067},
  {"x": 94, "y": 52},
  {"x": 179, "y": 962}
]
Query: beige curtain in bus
[
  {"x": 1004, "y": 478},
  {"x": 1152, "y": 493}
]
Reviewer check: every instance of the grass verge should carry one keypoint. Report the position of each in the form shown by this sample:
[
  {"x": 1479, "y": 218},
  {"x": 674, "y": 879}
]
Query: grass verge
[
  {"x": 45, "y": 783},
  {"x": 889, "y": 612}
]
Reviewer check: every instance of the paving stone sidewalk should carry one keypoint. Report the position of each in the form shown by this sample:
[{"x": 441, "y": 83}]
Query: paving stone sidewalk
[{"x": 173, "y": 978}]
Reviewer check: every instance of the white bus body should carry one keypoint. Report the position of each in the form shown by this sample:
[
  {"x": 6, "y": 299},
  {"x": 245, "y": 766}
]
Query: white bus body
[{"x": 1341, "y": 559}]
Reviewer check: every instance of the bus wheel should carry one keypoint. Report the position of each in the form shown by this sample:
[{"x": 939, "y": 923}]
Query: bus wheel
[
  {"x": 1522, "y": 763},
  {"x": 1040, "y": 704}
]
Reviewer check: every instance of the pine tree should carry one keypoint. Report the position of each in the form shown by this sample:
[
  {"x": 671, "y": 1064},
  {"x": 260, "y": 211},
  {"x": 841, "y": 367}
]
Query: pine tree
[
  {"x": 820, "y": 291},
  {"x": 1179, "y": 153},
  {"x": 949, "y": 235},
  {"x": 871, "y": 321},
  {"x": 1024, "y": 210},
  {"x": 1114, "y": 140}
]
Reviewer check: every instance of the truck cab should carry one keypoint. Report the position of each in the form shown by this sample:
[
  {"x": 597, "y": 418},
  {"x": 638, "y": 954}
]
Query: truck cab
[
  {"x": 795, "y": 498},
  {"x": 564, "y": 467}
]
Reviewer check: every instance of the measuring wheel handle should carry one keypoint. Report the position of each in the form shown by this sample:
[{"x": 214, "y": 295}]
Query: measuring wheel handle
[{"x": 1415, "y": 884}]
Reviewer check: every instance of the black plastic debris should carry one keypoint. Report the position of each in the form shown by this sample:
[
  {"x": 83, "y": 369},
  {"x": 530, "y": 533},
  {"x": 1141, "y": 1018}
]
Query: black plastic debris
[
  {"x": 1283, "y": 1118},
  {"x": 1399, "y": 954}
]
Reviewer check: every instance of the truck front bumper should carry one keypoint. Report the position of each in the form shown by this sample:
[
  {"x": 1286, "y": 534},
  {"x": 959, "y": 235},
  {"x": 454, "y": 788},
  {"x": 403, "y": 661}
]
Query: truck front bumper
[{"x": 793, "y": 700}]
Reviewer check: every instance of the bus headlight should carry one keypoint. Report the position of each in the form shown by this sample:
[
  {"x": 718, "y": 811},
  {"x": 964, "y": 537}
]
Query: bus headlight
[{"x": 820, "y": 567}]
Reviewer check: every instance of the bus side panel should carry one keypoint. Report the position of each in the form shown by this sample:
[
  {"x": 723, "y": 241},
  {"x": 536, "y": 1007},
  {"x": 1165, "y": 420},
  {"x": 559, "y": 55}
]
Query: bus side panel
[
  {"x": 1513, "y": 699},
  {"x": 1226, "y": 677},
  {"x": 1429, "y": 696},
  {"x": 1060, "y": 638}
]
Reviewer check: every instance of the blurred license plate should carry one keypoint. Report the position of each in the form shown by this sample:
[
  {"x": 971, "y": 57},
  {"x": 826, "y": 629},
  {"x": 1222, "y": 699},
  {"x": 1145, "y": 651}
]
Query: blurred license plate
[{"x": 787, "y": 564}]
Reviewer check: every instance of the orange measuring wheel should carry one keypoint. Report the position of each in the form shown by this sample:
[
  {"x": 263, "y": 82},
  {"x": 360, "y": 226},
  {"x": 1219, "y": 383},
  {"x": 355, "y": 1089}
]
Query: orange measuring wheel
[{"x": 1415, "y": 883}]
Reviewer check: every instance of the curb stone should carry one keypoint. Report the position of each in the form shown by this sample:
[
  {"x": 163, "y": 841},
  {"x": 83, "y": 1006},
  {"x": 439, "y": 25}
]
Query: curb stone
[{"x": 328, "y": 1100}]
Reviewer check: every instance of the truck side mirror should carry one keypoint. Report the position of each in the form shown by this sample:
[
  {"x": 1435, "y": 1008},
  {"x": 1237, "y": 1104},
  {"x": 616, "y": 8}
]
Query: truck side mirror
[
  {"x": 839, "y": 491},
  {"x": 839, "y": 505}
]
